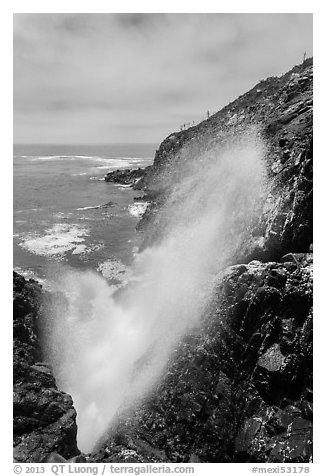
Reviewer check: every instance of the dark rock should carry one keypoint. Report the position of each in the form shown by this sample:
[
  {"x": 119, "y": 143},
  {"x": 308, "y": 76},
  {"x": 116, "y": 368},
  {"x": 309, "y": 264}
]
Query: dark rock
[
  {"x": 77, "y": 459},
  {"x": 277, "y": 278},
  {"x": 126, "y": 176},
  {"x": 232, "y": 393},
  {"x": 293, "y": 257},
  {"x": 247, "y": 435},
  {"x": 44, "y": 417},
  {"x": 54, "y": 458}
]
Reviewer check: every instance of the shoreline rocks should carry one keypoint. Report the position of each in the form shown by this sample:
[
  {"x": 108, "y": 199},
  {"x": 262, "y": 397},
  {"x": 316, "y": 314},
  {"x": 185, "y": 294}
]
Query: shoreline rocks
[
  {"x": 126, "y": 176},
  {"x": 44, "y": 417}
]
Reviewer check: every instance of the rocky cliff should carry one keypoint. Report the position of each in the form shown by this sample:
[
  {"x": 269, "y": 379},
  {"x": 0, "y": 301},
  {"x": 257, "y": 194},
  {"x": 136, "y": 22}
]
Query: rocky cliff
[
  {"x": 281, "y": 108},
  {"x": 44, "y": 417},
  {"x": 240, "y": 388}
]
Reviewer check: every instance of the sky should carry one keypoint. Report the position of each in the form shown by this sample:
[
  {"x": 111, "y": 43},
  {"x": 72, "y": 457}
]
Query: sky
[{"x": 135, "y": 78}]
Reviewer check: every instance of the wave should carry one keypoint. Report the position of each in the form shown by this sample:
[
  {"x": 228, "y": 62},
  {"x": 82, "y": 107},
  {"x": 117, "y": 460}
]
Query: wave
[
  {"x": 109, "y": 161},
  {"x": 34, "y": 158},
  {"x": 122, "y": 186},
  {"x": 95, "y": 207}
]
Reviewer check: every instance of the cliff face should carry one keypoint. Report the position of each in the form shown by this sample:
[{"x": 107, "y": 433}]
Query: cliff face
[
  {"x": 241, "y": 388},
  {"x": 44, "y": 417},
  {"x": 282, "y": 110}
]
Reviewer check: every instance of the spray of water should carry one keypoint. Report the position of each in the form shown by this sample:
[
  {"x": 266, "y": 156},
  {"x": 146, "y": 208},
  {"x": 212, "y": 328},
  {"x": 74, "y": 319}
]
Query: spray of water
[{"x": 109, "y": 349}]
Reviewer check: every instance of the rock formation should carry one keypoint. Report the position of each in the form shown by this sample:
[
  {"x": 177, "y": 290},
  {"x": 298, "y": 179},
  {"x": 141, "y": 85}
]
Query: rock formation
[
  {"x": 44, "y": 417},
  {"x": 240, "y": 390},
  {"x": 126, "y": 176}
]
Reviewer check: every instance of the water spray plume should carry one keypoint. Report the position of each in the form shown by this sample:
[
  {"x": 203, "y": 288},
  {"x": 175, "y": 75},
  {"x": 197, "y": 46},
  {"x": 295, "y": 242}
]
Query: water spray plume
[{"x": 108, "y": 350}]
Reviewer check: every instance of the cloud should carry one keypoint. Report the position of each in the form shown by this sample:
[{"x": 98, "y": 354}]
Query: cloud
[{"x": 137, "y": 77}]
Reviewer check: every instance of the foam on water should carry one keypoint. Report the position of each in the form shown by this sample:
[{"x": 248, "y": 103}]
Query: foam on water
[
  {"x": 57, "y": 240},
  {"x": 94, "y": 207},
  {"x": 98, "y": 179}
]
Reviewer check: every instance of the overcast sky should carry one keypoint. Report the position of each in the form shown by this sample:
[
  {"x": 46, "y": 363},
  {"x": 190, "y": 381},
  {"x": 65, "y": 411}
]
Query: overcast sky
[{"x": 123, "y": 78}]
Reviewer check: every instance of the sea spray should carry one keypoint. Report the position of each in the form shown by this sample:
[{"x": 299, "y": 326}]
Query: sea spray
[{"x": 107, "y": 349}]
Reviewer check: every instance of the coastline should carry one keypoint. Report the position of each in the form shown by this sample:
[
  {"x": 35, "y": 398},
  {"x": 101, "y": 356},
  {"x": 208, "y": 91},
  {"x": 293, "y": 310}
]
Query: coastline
[{"x": 246, "y": 381}]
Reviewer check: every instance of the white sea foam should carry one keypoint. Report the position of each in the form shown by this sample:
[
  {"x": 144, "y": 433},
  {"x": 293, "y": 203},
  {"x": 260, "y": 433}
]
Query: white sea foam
[
  {"x": 84, "y": 250},
  {"x": 60, "y": 157},
  {"x": 62, "y": 215},
  {"x": 113, "y": 269},
  {"x": 79, "y": 249},
  {"x": 106, "y": 161},
  {"x": 95, "y": 207},
  {"x": 92, "y": 207},
  {"x": 138, "y": 209},
  {"x": 56, "y": 241},
  {"x": 122, "y": 186}
]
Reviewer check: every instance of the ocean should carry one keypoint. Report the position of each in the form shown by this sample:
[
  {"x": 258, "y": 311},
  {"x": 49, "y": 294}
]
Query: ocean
[{"x": 66, "y": 215}]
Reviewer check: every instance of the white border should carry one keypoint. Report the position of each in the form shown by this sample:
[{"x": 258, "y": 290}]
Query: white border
[{"x": 100, "y": 6}]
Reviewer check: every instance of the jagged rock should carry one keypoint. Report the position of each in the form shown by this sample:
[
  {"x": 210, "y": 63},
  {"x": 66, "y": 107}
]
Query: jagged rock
[
  {"x": 56, "y": 458},
  {"x": 126, "y": 176},
  {"x": 44, "y": 417},
  {"x": 273, "y": 359},
  {"x": 230, "y": 393}
]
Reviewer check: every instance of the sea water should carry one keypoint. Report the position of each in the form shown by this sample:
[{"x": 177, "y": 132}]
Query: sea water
[{"x": 65, "y": 214}]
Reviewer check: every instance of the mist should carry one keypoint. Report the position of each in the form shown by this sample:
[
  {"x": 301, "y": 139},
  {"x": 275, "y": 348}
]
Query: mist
[{"x": 108, "y": 349}]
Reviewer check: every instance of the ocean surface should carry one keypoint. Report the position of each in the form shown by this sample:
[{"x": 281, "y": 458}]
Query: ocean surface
[{"x": 66, "y": 215}]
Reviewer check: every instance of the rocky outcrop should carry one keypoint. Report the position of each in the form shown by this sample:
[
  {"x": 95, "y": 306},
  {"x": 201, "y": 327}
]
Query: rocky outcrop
[
  {"x": 44, "y": 417},
  {"x": 240, "y": 388},
  {"x": 281, "y": 108},
  {"x": 127, "y": 176}
]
